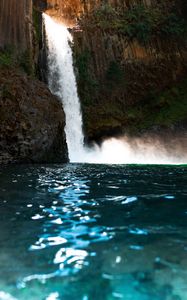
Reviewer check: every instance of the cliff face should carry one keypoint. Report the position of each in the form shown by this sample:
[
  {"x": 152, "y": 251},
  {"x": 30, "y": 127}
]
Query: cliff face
[
  {"x": 32, "y": 121},
  {"x": 130, "y": 58},
  {"x": 73, "y": 9},
  {"x": 67, "y": 11},
  {"x": 31, "y": 118},
  {"x": 126, "y": 52},
  {"x": 16, "y": 24}
]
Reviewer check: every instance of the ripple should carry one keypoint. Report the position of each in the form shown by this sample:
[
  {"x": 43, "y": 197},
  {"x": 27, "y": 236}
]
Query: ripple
[
  {"x": 138, "y": 231},
  {"x": 100, "y": 228},
  {"x": 6, "y": 296},
  {"x": 57, "y": 221},
  {"x": 48, "y": 242},
  {"x": 70, "y": 260},
  {"x": 129, "y": 200},
  {"x": 37, "y": 217},
  {"x": 53, "y": 296}
]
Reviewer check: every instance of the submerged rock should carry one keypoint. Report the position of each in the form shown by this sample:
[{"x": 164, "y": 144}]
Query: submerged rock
[{"x": 32, "y": 121}]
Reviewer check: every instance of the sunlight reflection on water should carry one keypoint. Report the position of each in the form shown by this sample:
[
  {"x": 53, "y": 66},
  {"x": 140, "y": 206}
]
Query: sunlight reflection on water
[{"x": 78, "y": 237}]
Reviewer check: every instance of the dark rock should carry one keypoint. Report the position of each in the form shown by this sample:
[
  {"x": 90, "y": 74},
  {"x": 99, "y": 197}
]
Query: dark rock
[
  {"x": 16, "y": 24},
  {"x": 40, "y": 4},
  {"x": 32, "y": 121},
  {"x": 120, "y": 78},
  {"x": 159, "y": 265},
  {"x": 143, "y": 276}
]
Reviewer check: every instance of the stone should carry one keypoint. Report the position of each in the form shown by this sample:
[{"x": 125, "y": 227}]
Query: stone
[{"x": 31, "y": 121}]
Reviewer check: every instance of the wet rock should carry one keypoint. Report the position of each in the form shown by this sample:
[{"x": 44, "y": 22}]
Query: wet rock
[
  {"x": 143, "y": 276},
  {"x": 150, "y": 290},
  {"x": 159, "y": 265},
  {"x": 32, "y": 121}
]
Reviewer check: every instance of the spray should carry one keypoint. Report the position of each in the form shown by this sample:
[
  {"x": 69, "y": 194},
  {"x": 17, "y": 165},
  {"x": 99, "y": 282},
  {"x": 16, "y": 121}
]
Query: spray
[{"x": 62, "y": 82}]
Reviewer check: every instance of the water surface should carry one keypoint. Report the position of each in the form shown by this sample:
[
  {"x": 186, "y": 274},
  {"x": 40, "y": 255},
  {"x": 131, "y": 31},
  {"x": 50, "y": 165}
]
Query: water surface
[{"x": 93, "y": 232}]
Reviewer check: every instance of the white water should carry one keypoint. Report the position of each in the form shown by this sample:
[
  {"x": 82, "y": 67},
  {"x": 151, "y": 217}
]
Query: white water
[{"x": 62, "y": 82}]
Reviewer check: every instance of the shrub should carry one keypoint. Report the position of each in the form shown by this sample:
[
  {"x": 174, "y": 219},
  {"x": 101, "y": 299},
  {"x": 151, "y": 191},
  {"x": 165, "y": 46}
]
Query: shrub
[
  {"x": 10, "y": 58},
  {"x": 173, "y": 26},
  {"x": 140, "y": 22},
  {"x": 87, "y": 85},
  {"x": 115, "y": 73},
  {"x": 7, "y": 57},
  {"x": 25, "y": 62}
]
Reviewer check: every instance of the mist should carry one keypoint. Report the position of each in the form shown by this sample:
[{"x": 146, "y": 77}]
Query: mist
[{"x": 144, "y": 150}]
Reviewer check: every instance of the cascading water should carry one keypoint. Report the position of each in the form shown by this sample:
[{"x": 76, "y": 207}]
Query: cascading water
[{"x": 62, "y": 82}]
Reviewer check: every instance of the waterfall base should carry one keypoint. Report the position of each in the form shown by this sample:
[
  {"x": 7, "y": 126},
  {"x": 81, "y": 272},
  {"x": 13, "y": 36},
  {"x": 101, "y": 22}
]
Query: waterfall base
[{"x": 62, "y": 82}]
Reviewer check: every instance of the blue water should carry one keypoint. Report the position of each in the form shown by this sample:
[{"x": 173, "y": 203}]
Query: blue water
[{"x": 93, "y": 232}]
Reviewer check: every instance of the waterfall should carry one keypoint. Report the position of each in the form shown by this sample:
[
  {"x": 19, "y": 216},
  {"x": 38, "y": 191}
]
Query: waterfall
[{"x": 62, "y": 83}]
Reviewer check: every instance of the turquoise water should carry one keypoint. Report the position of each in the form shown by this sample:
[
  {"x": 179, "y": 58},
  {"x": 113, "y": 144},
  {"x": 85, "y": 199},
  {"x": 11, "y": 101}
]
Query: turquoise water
[{"x": 93, "y": 232}]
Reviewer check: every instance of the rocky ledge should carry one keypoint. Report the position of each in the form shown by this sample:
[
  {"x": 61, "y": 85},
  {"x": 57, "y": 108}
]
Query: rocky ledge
[{"x": 32, "y": 121}]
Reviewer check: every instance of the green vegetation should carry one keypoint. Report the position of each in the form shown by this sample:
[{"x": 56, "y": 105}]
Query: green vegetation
[
  {"x": 174, "y": 26},
  {"x": 36, "y": 15},
  {"x": 165, "y": 109},
  {"x": 86, "y": 84},
  {"x": 140, "y": 22},
  {"x": 115, "y": 74},
  {"x": 25, "y": 62},
  {"x": 10, "y": 58},
  {"x": 7, "y": 57},
  {"x": 82, "y": 61},
  {"x": 162, "y": 110},
  {"x": 144, "y": 23}
]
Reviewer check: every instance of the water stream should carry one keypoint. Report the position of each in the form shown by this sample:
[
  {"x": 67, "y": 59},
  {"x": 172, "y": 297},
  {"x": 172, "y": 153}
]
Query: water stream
[{"x": 62, "y": 82}]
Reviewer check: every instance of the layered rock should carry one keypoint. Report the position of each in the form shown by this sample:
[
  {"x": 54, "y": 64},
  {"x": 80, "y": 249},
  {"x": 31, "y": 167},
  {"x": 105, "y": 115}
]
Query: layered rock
[
  {"x": 75, "y": 9},
  {"x": 31, "y": 118},
  {"x": 32, "y": 121},
  {"x": 125, "y": 53},
  {"x": 67, "y": 11},
  {"x": 16, "y": 24}
]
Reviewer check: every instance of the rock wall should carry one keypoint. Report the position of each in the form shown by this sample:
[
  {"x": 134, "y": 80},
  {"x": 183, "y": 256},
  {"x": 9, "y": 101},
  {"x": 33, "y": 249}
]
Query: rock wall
[
  {"x": 125, "y": 52},
  {"x": 16, "y": 24},
  {"x": 31, "y": 118},
  {"x": 73, "y": 9},
  {"x": 32, "y": 121},
  {"x": 67, "y": 11},
  {"x": 119, "y": 68}
]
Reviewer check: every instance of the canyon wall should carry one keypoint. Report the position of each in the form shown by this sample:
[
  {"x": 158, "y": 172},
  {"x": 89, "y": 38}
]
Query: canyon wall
[
  {"x": 16, "y": 24},
  {"x": 130, "y": 61},
  {"x": 127, "y": 53},
  {"x": 73, "y": 9},
  {"x": 31, "y": 119}
]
